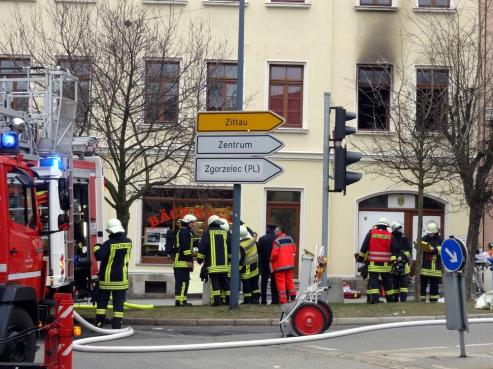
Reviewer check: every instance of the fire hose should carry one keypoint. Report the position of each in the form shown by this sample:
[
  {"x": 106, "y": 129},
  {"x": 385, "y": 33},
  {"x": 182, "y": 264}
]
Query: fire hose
[{"x": 110, "y": 334}]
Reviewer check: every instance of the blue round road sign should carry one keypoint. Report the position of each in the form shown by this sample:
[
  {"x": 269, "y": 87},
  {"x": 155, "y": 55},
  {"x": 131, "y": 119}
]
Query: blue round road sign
[{"x": 453, "y": 254}]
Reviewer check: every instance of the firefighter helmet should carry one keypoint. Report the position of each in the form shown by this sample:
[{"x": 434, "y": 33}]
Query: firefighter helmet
[
  {"x": 188, "y": 218},
  {"x": 431, "y": 228},
  {"x": 244, "y": 232},
  {"x": 224, "y": 224},
  {"x": 396, "y": 226},
  {"x": 114, "y": 226},
  {"x": 213, "y": 219},
  {"x": 384, "y": 222}
]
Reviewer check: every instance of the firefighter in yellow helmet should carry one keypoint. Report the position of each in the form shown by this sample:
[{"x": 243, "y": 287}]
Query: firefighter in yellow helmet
[
  {"x": 114, "y": 255},
  {"x": 431, "y": 265}
]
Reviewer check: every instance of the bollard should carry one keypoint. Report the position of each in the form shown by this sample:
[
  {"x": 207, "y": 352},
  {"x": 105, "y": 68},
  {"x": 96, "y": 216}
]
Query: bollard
[{"x": 64, "y": 317}]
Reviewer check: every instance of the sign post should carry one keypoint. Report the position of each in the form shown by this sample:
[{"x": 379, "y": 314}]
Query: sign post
[{"x": 454, "y": 255}]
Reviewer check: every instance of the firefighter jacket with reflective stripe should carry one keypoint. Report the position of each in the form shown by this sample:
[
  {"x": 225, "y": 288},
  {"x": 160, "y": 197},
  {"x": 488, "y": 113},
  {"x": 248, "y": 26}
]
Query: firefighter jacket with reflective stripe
[
  {"x": 431, "y": 265},
  {"x": 184, "y": 248},
  {"x": 283, "y": 253},
  {"x": 114, "y": 255},
  {"x": 250, "y": 259},
  {"x": 401, "y": 246},
  {"x": 376, "y": 249},
  {"x": 215, "y": 250}
]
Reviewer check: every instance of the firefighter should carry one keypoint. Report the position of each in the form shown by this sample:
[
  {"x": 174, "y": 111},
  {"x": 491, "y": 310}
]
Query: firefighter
[
  {"x": 282, "y": 262},
  {"x": 376, "y": 249},
  {"x": 400, "y": 259},
  {"x": 214, "y": 251},
  {"x": 264, "y": 252},
  {"x": 249, "y": 269},
  {"x": 114, "y": 255},
  {"x": 431, "y": 265},
  {"x": 183, "y": 258}
]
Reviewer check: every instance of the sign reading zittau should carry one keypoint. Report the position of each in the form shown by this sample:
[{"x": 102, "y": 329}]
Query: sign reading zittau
[{"x": 238, "y": 121}]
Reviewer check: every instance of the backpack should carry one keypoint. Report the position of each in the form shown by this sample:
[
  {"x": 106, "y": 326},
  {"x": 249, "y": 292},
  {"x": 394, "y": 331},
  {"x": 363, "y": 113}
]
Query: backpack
[{"x": 170, "y": 246}]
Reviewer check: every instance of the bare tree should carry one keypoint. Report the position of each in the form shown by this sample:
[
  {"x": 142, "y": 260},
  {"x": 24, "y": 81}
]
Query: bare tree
[
  {"x": 408, "y": 154},
  {"x": 147, "y": 82}
]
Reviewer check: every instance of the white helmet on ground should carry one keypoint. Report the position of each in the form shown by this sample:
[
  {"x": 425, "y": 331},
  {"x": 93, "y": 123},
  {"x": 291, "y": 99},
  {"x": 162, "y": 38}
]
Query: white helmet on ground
[
  {"x": 188, "y": 218},
  {"x": 431, "y": 228},
  {"x": 213, "y": 219},
  {"x": 224, "y": 224},
  {"x": 114, "y": 226},
  {"x": 244, "y": 232},
  {"x": 384, "y": 222}
]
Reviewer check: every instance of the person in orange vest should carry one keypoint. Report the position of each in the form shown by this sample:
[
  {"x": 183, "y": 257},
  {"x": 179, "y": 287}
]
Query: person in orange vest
[
  {"x": 282, "y": 263},
  {"x": 377, "y": 250}
]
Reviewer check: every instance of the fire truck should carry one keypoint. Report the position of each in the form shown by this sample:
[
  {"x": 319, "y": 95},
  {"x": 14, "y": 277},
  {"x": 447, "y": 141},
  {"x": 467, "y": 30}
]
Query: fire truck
[{"x": 51, "y": 194}]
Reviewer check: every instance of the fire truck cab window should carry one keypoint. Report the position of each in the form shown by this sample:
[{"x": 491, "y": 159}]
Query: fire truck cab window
[{"x": 21, "y": 202}]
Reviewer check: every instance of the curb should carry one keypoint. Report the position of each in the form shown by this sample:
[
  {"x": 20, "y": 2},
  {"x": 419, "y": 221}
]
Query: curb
[{"x": 274, "y": 322}]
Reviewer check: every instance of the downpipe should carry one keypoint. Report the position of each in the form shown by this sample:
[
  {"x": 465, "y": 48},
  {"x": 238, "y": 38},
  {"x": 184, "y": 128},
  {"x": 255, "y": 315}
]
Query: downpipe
[{"x": 84, "y": 344}]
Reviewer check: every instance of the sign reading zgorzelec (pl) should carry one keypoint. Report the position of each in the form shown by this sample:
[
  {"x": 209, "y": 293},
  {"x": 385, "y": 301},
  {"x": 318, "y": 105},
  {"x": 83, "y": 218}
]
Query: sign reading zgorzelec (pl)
[
  {"x": 235, "y": 170},
  {"x": 244, "y": 144},
  {"x": 453, "y": 254},
  {"x": 238, "y": 121}
]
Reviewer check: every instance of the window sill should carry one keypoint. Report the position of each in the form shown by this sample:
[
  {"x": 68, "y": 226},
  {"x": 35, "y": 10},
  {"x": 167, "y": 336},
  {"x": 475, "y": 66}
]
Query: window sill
[
  {"x": 305, "y": 5},
  {"x": 376, "y": 8},
  {"x": 165, "y": 2},
  {"x": 291, "y": 130},
  {"x": 222, "y": 3},
  {"x": 435, "y": 10},
  {"x": 374, "y": 133}
]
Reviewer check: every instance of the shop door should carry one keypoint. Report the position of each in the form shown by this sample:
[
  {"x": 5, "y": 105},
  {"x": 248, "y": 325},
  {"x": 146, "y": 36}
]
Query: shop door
[{"x": 287, "y": 216}]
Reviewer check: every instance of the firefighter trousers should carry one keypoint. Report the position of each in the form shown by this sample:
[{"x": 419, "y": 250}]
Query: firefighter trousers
[
  {"x": 264, "y": 281},
  {"x": 219, "y": 287},
  {"x": 434, "y": 283},
  {"x": 118, "y": 297},
  {"x": 400, "y": 285},
  {"x": 374, "y": 280},
  {"x": 285, "y": 285},
  {"x": 251, "y": 291},
  {"x": 182, "y": 281}
]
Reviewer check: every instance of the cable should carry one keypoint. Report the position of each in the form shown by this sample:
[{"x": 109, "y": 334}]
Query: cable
[{"x": 80, "y": 345}]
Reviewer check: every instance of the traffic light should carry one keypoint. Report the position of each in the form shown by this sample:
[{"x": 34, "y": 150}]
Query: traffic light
[{"x": 342, "y": 157}]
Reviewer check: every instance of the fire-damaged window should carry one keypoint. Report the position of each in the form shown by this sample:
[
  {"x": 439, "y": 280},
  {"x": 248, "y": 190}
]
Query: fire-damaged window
[
  {"x": 15, "y": 67},
  {"x": 222, "y": 79},
  {"x": 431, "y": 98},
  {"x": 374, "y": 88}
]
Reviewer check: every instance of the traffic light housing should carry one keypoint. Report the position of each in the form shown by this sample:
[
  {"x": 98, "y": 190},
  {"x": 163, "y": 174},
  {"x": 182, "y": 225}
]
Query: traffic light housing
[{"x": 342, "y": 157}]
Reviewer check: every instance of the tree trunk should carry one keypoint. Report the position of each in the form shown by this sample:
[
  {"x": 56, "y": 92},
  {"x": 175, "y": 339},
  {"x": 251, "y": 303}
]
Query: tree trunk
[
  {"x": 417, "y": 246},
  {"x": 475, "y": 215}
]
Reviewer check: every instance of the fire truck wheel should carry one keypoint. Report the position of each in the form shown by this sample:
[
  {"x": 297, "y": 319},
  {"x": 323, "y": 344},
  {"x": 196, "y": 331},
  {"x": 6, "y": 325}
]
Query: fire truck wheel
[
  {"x": 328, "y": 313},
  {"x": 308, "y": 319},
  {"x": 24, "y": 348}
]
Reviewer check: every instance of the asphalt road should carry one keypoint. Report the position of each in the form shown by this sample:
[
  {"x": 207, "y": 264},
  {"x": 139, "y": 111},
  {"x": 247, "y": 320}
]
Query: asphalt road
[{"x": 404, "y": 348}]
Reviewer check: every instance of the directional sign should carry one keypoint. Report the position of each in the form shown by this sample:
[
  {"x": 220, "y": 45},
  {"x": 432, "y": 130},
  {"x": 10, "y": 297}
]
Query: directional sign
[
  {"x": 238, "y": 121},
  {"x": 238, "y": 144},
  {"x": 235, "y": 170},
  {"x": 453, "y": 254}
]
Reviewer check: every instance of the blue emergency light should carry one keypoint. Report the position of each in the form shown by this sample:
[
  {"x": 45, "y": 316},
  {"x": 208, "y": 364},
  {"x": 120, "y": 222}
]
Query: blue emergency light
[
  {"x": 51, "y": 161},
  {"x": 9, "y": 142}
]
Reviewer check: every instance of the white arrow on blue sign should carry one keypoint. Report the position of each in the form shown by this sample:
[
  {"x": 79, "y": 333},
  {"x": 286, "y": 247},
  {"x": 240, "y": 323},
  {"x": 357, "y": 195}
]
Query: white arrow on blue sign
[
  {"x": 243, "y": 144},
  {"x": 235, "y": 170},
  {"x": 453, "y": 254}
]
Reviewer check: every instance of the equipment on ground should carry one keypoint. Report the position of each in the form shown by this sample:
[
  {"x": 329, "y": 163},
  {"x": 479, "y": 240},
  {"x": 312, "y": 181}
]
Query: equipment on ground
[{"x": 52, "y": 186}]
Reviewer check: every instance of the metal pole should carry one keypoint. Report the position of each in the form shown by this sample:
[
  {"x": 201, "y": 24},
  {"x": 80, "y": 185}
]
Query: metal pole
[
  {"x": 462, "y": 315},
  {"x": 235, "y": 242},
  {"x": 325, "y": 181}
]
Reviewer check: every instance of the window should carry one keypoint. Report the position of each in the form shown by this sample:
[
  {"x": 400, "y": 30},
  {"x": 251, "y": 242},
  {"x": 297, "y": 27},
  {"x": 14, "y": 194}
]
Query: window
[
  {"x": 375, "y": 2},
  {"x": 222, "y": 80},
  {"x": 81, "y": 68},
  {"x": 431, "y": 98},
  {"x": 161, "y": 91},
  {"x": 374, "y": 86},
  {"x": 286, "y": 93},
  {"x": 21, "y": 200},
  {"x": 15, "y": 68},
  {"x": 434, "y": 3}
]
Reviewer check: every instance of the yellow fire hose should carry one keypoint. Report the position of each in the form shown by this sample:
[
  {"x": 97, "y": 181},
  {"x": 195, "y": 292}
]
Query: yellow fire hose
[{"x": 127, "y": 306}]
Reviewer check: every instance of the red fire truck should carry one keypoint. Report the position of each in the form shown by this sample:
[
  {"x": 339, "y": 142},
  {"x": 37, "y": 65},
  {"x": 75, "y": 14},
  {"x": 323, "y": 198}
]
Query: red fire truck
[{"x": 51, "y": 193}]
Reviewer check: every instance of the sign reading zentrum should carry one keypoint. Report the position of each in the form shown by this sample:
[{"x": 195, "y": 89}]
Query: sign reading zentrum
[{"x": 239, "y": 158}]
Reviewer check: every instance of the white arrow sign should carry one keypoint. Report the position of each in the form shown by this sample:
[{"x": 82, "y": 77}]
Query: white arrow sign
[
  {"x": 453, "y": 255},
  {"x": 235, "y": 170},
  {"x": 238, "y": 144}
]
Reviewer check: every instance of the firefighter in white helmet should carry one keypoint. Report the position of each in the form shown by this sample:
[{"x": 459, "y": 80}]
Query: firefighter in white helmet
[
  {"x": 249, "y": 271},
  {"x": 376, "y": 249},
  {"x": 431, "y": 265},
  {"x": 183, "y": 258},
  {"x": 401, "y": 260}
]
